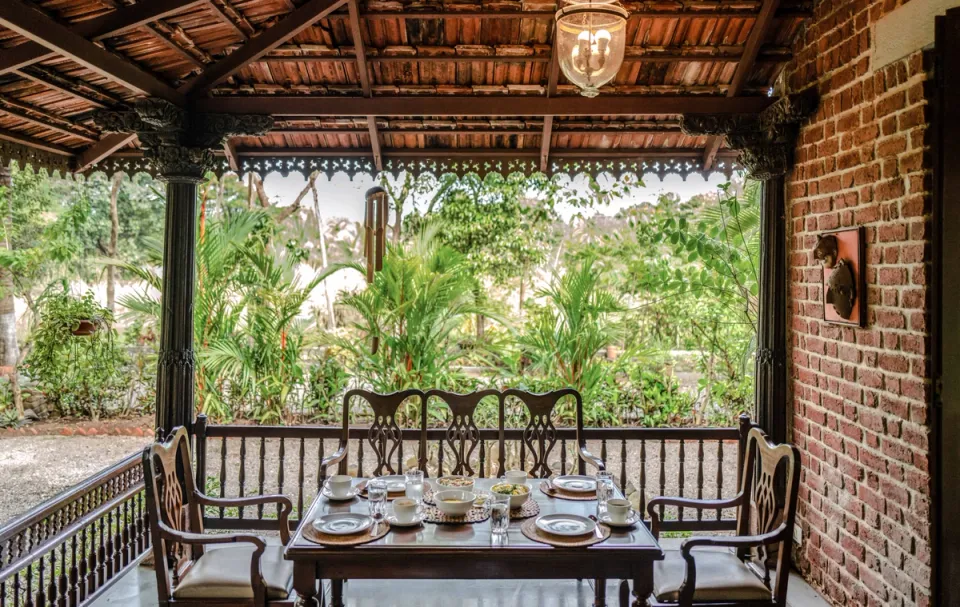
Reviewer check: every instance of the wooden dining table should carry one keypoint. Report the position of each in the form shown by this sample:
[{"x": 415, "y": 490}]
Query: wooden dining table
[{"x": 467, "y": 551}]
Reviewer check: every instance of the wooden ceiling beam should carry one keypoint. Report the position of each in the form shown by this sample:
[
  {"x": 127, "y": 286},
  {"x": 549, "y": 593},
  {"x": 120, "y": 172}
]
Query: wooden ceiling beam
[
  {"x": 230, "y": 151},
  {"x": 761, "y": 27},
  {"x": 552, "y": 79},
  {"x": 33, "y": 142},
  {"x": 111, "y": 24},
  {"x": 502, "y": 132},
  {"x": 36, "y": 26},
  {"x": 286, "y": 28},
  {"x": 69, "y": 85},
  {"x": 533, "y": 153},
  {"x": 40, "y": 117},
  {"x": 634, "y": 54},
  {"x": 108, "y": 145},
  {"x": 232, "y": 17},
  {"x": 651, "y": 13},
  {"x": 364, "y": 75},
  {"x": 501, "y": 106}
]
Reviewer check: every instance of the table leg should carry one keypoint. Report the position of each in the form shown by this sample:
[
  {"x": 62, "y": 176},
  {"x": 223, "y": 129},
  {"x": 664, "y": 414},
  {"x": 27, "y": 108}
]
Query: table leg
[
  {"x": 600, "y": 593},
  {"x": 305, "y": 585},
  {"x": 336, "y": 593},
  {"x": 643, "y": 586},
  {"x": 624, "y": 593}
]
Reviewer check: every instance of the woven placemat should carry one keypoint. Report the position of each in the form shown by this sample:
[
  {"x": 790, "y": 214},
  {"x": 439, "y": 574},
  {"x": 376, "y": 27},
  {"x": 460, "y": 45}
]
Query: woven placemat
[
  {"x": 528, "y": 509},
  {"x": 567, "y": 495},
  {"x": 529, "y": 529},
  {"x": 432, "y": 514},
  {"x": 310, "y": 532}
]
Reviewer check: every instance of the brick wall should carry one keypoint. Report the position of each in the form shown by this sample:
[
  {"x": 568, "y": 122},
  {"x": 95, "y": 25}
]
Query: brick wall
[{"x": 860, "y": 412}]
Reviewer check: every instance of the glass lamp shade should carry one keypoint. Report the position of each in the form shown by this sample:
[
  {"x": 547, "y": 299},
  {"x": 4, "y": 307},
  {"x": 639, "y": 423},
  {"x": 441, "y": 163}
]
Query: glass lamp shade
[{"x": 591, "y": 39}]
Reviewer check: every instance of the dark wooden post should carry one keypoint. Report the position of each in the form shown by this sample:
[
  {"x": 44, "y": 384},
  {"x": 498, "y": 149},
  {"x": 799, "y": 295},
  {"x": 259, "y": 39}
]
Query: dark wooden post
[
  {"x": 766, "y": 143},
  {"x": 180, "y": 145}
]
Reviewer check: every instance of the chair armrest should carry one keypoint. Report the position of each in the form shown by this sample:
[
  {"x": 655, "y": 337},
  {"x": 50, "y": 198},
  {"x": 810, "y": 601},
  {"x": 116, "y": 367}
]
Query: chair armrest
[
  {"x": 336, "y": 458},
  {"x": 590, "y": 458},
  {"x": 740, "y": 541},
  {"x": 286, "y": 507},
  {"x": 682, "y": 502},
  {"x": 256, "y": 575}
]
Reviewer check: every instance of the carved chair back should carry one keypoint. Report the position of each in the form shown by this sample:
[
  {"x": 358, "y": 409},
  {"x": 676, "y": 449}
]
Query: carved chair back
[
  {"x": 169, "y": 484},
  {"x": 770, "y": 479},
  {"x": 540, "y": 433},
  {"x": 462, "y": 435},
  {"x": 384, "y": 434}
]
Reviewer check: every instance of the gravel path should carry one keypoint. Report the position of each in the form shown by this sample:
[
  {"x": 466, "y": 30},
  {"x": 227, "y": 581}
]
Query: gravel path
[{"x": 35, "y": 468}]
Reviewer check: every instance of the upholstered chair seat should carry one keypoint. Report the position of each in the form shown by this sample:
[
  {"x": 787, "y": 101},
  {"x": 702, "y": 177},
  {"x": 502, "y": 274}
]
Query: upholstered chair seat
[
  {"x": 224, "y": 573},
  {"x": 721, "y": 576}
]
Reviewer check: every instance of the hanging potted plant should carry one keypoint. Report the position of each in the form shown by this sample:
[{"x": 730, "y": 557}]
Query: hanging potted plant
[{"x": 80, "y": 316}]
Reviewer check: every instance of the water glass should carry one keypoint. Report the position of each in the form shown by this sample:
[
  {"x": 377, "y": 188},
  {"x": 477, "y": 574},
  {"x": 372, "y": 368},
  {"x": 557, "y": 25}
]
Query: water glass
[
  {"x": 377, "y": 499},
  {"x": 499, "y": 514},
  {"x": 605, "y": 491},
  {"x": 413, "y": 486}
]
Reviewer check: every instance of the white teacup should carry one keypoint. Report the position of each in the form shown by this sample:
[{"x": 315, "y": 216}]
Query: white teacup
[
  {"x": 619, "y": 511},
  {"x": 339, "y": 485},
  {"x": 405, "y": 509},
  {"x": 515, "y": 477}
]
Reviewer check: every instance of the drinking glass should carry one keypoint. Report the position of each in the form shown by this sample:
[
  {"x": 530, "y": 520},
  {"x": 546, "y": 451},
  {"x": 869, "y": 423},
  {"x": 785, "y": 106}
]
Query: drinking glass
[
  {"x": 605, "y": 491},
  {"x": 377, "y": 498},
  {"x": 499, "y": 514},
  {"x": 413, "y": 487}
]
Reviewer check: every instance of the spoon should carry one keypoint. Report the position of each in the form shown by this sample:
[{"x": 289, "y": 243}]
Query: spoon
[{"x": 597, "y": 529}]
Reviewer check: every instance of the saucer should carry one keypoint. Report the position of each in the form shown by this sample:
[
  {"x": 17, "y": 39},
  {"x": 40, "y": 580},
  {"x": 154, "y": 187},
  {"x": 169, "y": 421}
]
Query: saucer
[
  {"x": 392, "y": 519},
  {"x": 632, "y": 520},
  {"x": 342, "y": 498}
]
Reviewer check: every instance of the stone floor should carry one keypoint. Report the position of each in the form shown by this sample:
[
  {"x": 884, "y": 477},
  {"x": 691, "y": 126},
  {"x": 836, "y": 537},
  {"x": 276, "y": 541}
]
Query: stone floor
[{"x": 138, "y": 589}]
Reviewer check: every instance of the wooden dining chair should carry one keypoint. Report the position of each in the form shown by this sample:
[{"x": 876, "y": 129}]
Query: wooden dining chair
[
  {"x": 540, "y": 433},
  {"x": 462, "y": 435},
  {"x": 766, "y": 511},
  {"x": 384, "y": 436},
  {"x": 242, "y": 571}
]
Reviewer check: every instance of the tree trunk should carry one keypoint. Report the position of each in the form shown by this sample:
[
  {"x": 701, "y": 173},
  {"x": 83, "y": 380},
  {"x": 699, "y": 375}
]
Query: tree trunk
[
  {"x": 114, "y": 236},
  {"x": 331, "y": 318},
  {"x": 9, "y": 348}
]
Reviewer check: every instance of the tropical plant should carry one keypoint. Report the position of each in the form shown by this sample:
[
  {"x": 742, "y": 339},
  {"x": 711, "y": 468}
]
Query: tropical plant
[
  {"x": 80, "y": 374},
  {"x": 410, "y": 317}
]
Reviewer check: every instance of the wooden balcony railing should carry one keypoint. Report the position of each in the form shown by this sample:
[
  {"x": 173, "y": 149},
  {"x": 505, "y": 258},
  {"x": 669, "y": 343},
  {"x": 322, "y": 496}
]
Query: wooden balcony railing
[
  {"x": 237, "y": 460},
  {"x": 67, "y": 550}
]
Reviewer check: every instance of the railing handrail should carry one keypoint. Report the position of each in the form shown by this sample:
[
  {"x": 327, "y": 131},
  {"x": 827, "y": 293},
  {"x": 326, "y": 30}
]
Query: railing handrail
[
  {"x": 43, "y": 510},
  {"x": 325, "y": 432}
]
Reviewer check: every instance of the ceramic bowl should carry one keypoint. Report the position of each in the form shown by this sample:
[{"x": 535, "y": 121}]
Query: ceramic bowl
[
  {"x": 463, "y": 483},
  {"x": 515, "y": 500},
  {"x": 454, "y": 502}
]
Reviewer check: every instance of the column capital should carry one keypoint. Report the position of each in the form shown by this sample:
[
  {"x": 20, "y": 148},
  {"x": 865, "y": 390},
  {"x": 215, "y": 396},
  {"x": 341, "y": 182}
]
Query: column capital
[
  {"x": 766, "y": 141},
  {"x": 180, "y": 143}
]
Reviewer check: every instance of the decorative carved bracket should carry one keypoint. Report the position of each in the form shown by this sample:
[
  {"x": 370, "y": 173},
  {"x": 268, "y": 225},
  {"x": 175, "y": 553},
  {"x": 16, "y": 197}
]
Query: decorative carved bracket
[
  {"x": 180, "y": 143},
  {"x": 766, "y": 141}
]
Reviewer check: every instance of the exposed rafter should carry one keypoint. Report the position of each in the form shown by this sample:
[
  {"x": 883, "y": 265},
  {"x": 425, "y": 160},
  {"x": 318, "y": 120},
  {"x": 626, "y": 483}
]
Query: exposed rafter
[
  {"x": 505, "y": 106},
  {"x": 35, "y": 143},
  {"x": 230, "y": 151},
  {"x": 232, "y": 17},
  {"x": 35, "y": 25},
  {"x": 68, "y": 85},
  {"x": 287, "y": 28},
  {"x": 750, "y": 52},
  {"x": 41, "y": 117},
  {"x": 110, "y": 24},
  {"x": 100, "y": 150},
  {"x": 364, "y": 75},
  {"x": 552, "y": 78}
]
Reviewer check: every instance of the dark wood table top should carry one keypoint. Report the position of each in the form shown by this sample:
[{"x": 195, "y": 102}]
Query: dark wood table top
[{"x": 442, "y": 545}]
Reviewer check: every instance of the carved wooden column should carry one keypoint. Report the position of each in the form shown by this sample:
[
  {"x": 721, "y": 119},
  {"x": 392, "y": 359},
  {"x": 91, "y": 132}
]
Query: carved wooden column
[
  {"x": 766, "y": 143},
  {"x": 180, "y": 145}
]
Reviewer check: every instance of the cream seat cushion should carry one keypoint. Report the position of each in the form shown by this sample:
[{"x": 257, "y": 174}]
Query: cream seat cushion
[
  {"x": 721, "y": 576},
  {"x": 224, "y": 573}
]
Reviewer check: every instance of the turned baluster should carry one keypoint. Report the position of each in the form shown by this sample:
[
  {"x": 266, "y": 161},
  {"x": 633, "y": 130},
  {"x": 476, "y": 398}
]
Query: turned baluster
[
  {"x": 29, "y": 589},
  {"x": 223, "y": 470},
  {"x": 643, "y": 477},
  {"x": 83, "y": 573},
  {"x": 439, "y": 458},
  {"x": 563, "y": 456},
  {"x": 682, "y": 457},
  {"x": 243, "y": 472},
  {"x": 281, "y": 455},
  {"x": 321, "y": 470},
  {"x": 360, "y": 458},
  {"x": 62, "y": 577},
  {"x": 483, "y": 459},
  {"x": 623, "y": 466},
  {"x": 663, "y": 472},
  {"x": 719, "y": 477},
  {"x": 300, "y": 472},
  {"x": 700, "y": 476},
  {"x": 260, "y": 475},
  {"x": 74, "y": 576},
  {"x": 102, "y": 555}
]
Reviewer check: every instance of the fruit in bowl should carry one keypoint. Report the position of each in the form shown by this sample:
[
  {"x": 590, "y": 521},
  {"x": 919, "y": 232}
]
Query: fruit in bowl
[
  {"x": 464, "y": 483},
  {"x": 518, "y": 493},
  {"x": 454, "y": 502}
]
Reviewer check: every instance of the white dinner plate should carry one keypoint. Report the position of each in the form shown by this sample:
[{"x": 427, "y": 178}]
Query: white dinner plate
[
  {"x": 630, "y": 522},
  {"x": 343, "y": 523},
  {"x": 396, "y": 483},
  {"x": 576, "y": 483},
  {"x": 566, "y": 524},
  {"x": 340, "y": 498}
]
